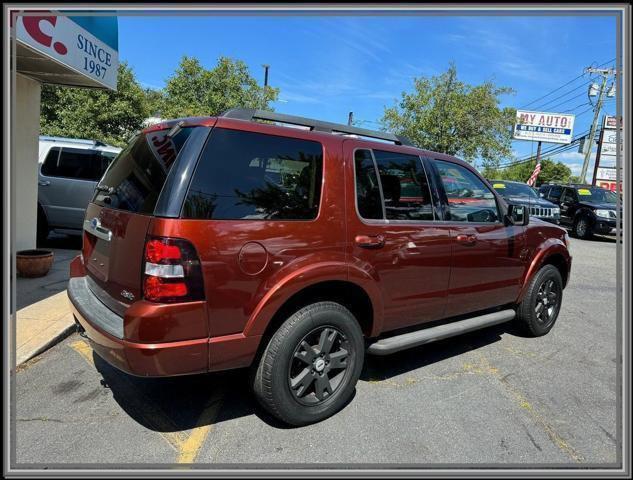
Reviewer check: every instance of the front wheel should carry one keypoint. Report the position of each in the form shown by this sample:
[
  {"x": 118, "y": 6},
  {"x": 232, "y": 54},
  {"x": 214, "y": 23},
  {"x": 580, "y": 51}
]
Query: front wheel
[
  {"x": 311, "y": 364},
  {"x": 582, "y": 228},
  {"x": 538, "y": 311}
]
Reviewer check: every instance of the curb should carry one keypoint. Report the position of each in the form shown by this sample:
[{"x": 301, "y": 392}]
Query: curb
[{"x": 66, "y": 332}]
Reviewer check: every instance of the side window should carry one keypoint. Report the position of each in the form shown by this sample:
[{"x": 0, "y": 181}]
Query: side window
[
  {"x": 404, "y": 185},
  {"x": 555, "y": 192},
  {"x": 544, "y": 191},
  {"x": 81, "y": 164},
  {"x": 50, "y": 162},
  {"x": 469, "y": 200},
  {"x": 247, "y": 175},
  {"x": 368, "y": 197},
  {"x": 569, "y": 196}
]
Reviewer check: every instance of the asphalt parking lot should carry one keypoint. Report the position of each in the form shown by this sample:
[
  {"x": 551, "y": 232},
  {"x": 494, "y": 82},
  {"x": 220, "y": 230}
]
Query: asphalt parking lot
[{"x": 491, "y": 397}]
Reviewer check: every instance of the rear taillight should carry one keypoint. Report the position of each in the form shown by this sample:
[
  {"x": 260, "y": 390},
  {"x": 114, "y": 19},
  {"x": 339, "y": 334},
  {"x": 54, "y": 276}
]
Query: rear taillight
[{"x": 171, "y": 271}]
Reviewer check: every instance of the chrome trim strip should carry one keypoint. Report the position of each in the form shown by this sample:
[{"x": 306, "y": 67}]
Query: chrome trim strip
[{"x": 97, "y": 230}]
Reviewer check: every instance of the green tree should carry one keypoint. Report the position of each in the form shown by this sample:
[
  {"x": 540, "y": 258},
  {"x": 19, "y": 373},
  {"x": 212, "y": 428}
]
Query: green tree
[
  {"x": 106, "y": 115},
  {"x": 154, "y": 100},
  {"x": 447, "y": 115},
  {"x": 194, "y": 90},
  {"x": 550, "y": 171}
]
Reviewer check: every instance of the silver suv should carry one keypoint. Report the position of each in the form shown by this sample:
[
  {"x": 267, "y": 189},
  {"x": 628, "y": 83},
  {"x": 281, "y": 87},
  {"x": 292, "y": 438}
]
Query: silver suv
[{"x": 68, "y": 172}]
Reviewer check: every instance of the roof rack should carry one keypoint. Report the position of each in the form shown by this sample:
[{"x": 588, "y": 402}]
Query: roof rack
[
  {"x": 96, "y": 143},
  {"x": 251, "y": 114}
]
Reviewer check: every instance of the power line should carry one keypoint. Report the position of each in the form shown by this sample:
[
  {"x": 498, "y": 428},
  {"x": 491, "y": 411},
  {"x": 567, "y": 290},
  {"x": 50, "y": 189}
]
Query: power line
[
  {"x": 551, "y": 151},
  {"x": 583, "y": 85},
  {"x": 577, "y": 106},
  {"x": 562, "y": 86},
  {"x": 553, "y": 107}
]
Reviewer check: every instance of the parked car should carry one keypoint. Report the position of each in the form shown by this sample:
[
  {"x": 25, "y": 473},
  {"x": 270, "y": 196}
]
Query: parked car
[
  {"x": 68, "y": 171},
  {"x": 586, "y": 209},
  {"x": 215, "y": 243},
  {"x": 522, "y": 194}
]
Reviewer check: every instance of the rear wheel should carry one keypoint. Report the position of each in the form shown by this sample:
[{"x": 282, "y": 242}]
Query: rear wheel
[
  {"x": 539, "y": 309},
  {"x": 583, "y": 228},
  {"x": 311, "y": 364}
]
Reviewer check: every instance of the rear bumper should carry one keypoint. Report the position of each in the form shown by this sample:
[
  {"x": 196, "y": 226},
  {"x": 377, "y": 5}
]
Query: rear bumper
[
  {"x": 105, "y": 331},
  {"x": 141, "y": 359}
]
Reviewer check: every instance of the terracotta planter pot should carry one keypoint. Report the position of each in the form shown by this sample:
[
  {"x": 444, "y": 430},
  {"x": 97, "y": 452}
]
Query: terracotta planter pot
[{"x": 33, "y": 263}]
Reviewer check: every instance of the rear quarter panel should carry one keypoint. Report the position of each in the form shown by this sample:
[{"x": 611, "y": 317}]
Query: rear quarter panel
[{"x": 250, "y": 267}]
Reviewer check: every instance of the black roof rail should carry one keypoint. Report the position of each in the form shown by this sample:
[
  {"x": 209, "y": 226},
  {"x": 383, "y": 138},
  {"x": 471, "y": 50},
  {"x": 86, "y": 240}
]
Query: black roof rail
[{"x": 251, "y": 114}]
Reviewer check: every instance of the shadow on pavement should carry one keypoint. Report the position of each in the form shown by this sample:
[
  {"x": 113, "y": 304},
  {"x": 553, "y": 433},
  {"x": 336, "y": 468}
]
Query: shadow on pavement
[
  {"x": 177, "y": 403},
  {"x": 383, "y": 368}
]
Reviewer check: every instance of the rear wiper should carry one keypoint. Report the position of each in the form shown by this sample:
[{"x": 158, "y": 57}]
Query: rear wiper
[{"x": 175, "y": 129}]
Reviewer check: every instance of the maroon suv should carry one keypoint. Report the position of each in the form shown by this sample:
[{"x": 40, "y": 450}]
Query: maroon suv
[{"x": 224, "y": 242}]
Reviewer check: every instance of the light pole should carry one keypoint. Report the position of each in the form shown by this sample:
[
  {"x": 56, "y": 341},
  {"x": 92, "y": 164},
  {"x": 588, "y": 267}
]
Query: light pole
[
  {"x": 266, "y": 67},
  {"x": 264, "y": 102},
  {"x": 605, "y": 72}
]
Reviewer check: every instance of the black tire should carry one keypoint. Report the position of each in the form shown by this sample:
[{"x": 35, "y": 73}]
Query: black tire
[
  {"x": 42, "y": 227},
  {"x": 583, "y": 227},
  {"x": 287, "y": 360},
  {"x": 537, "y": 313}
]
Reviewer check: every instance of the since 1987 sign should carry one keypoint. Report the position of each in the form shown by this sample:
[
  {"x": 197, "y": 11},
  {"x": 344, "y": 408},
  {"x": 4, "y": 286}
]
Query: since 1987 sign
[{"x": 544, "y": 127}]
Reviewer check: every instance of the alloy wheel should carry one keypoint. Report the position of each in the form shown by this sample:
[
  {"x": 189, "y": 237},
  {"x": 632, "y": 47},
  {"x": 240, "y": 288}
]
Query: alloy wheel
[
  {"x": 581, "y": 227},
  {"x": 547, "y": 302},
  {"x": 319, "y": 365}
]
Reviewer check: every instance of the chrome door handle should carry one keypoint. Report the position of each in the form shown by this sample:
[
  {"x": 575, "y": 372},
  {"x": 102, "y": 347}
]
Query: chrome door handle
[
  {"x": 44, "y": 183},
  {"x": 370, "y": 241},
  {"x": 466, "y": 239}
]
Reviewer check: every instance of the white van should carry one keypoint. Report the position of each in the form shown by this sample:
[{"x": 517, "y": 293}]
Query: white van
[{"x": 68, "y": 172}]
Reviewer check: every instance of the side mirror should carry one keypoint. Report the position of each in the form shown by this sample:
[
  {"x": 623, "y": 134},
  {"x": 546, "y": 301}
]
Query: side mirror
[
  {"x": 517, "y": 215},
  {"x": 541, "y": 194}
]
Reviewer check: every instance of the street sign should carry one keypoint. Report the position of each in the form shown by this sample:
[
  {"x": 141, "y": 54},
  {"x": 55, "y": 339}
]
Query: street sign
[
  {"x": 605, "y": 168},
  {"x": 544, "y": 127},
  {"x": 608, "y": 174},
  {"x": 610, "y": 122}
]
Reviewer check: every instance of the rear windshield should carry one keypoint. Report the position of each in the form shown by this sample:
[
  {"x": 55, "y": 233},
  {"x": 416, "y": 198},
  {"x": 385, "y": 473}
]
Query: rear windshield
[{"x": 135, "y": 178}]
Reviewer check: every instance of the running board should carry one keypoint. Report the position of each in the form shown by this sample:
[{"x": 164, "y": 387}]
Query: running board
[{"x": 394, "y": 344}]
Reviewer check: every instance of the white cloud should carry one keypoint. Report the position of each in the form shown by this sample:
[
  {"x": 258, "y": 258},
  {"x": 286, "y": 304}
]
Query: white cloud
[{"x": 573, "y": 160}]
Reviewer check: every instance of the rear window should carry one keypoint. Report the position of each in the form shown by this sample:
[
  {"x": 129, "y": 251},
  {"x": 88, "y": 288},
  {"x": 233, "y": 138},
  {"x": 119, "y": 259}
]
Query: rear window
[
  {"x": 248, "y": 175},
  {"x": 136, "y": 177},
  {"x": 76, "y": 163}
]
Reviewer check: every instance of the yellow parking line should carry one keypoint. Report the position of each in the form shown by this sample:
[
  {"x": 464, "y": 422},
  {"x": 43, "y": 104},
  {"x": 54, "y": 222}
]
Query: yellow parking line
[
  {"x": 190, "y": 448},
  {"x": 187, "y": 446}
]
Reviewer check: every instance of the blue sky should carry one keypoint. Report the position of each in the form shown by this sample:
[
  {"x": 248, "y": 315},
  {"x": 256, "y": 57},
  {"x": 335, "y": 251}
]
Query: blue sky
[{"x": 326, "y": 66}]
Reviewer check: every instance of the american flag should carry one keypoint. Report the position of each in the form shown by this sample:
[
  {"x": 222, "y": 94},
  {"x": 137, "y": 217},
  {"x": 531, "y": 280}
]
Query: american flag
[{"x": 534, "y": 175}]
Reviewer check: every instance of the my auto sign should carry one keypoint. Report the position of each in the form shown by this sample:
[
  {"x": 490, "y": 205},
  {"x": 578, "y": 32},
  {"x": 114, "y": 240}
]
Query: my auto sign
[{"x": 544, "y": 127}]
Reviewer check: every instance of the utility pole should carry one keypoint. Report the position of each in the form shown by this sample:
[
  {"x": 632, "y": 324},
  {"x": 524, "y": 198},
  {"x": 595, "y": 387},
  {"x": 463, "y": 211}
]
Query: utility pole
[
  {"x": 538, "y": 153},
  {"x": 598, "y": 154},
  {"x": 266, "y": 67},
  {"x": 350, "y": 118},
  {"x": 605, "y": 72}
]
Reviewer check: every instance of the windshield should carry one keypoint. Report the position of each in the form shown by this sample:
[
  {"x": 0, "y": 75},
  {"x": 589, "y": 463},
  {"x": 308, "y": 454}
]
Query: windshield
[
  {"x": 508, "y": 189},
  {"x": 596, "y": 195}
]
